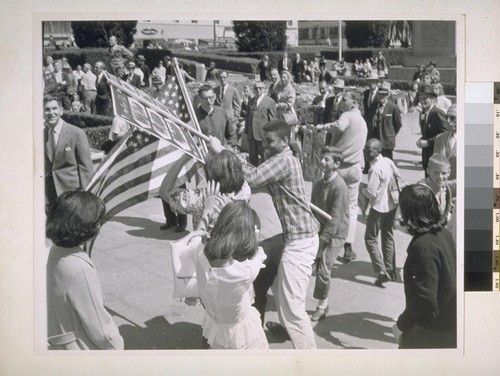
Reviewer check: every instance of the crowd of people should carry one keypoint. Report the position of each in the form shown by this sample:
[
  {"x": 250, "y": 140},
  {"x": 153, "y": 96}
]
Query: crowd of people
[{"x": 248, "y": 247}]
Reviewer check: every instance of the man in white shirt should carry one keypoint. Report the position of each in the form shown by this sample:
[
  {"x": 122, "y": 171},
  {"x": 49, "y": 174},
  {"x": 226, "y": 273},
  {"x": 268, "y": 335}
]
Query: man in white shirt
[
  {"x": 88, "y": 88},
  {"x": 382, "y": 213}
]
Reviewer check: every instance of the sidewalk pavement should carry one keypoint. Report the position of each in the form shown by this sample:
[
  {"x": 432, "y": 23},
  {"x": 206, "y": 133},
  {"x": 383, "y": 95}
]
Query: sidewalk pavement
[{"x": 134, "y": 265}]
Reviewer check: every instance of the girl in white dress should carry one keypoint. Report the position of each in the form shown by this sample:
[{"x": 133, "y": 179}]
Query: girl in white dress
[{"x": 225, "y": 270}]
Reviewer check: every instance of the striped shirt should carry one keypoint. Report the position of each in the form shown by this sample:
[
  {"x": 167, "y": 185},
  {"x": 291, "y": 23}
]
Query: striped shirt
[{"x": 282, "y": 174}]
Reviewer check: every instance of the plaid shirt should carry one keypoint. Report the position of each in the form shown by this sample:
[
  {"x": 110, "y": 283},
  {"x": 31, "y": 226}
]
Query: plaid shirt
[{"x": 282, "y": 174}]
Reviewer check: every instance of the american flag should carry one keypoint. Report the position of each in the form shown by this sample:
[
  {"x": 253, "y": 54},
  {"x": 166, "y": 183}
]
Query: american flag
[{"x": 136, "y": 167}]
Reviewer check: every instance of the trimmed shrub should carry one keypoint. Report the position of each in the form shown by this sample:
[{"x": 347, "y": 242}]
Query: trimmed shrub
[
  {"x": 97, "y": 136},
  {"x": 84, "y": 120},
  {"x": 393, "y": 56},
  {"x": 238, "y": 64}
]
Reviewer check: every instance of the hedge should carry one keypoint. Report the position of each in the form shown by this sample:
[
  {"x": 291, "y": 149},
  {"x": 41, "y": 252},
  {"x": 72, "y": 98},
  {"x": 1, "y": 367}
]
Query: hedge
[
  {"x": 238, "y": 64},
  {"x": 84, "y": 120},
  {"x": 97, "y": 136},
  {"x": 393, "y": 56},
  {"x": 80, "y": 56},
  {"x": 96, "y": 127}
]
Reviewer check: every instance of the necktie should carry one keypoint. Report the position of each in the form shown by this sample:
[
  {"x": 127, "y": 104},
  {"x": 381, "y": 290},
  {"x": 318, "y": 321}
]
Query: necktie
[
  {"x": 222, "y": 89},
  {"x": 51, "y": 144}
]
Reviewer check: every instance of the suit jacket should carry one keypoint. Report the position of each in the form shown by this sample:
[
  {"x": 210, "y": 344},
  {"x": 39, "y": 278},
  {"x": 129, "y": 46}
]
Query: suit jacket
[
  {"x": 258, "y": 116},
  {"x": 75, "y": 302},
  {"x": 231, "y": 102},
  {"x": 217, "y": 125},
  {"x": 387, "y": 127},
  {"x": 369, "y": 110},
  {"x": 135, "y": 80},
  {"x": 432, "y": 126},
  {"x": 282, "y": 67},
  {"x": 332, "y": 110},
  {"x": 264, "y": 71},
  {"x": 103, "y": 98},
  {"x": 298, "y": 69},
  {"x": 71, "y": 166}
]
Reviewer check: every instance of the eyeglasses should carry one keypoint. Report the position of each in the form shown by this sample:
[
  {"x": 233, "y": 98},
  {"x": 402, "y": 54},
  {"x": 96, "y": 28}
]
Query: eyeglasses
[
  {"x": 210, "y": 98},
  {"x": 454, "y": 118}
]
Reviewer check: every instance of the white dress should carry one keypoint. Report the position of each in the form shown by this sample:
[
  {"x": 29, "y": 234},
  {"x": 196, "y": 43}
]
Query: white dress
[{"x": 230, "y": 321}]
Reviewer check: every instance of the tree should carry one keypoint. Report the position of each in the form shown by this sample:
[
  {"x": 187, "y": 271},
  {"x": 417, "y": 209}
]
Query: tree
[
  {"x": 400, "y": 31},
  {"x": 367, "y": 33},
  {"x": 260, "y": 35},
  {"x": 97, "y": 33}
]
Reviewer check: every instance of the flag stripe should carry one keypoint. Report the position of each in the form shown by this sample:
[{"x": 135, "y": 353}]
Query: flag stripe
[
  {"x": 119, "y": 176},
  {"x": 140, "y": 173}
]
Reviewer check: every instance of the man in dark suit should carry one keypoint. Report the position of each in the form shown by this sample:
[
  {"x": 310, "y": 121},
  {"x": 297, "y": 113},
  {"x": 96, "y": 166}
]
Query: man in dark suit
[
  {"x": 432, "y": 122},
  {"x": 132, "y": 78},
  {"x": 103, "y": 98},
  {"x": 284, "y": 63},
  {"x": 261, "y": 109},
  {"x": 68, "y": 165},
  {"x": 370, "y": 104},
  {"x": 333, "y": 108},
  {"x": 298, "y": 69},
  {"x": 228, "y": 98},
  {"x": 264, "y": 69},
  {"x": 386, "y": 121},
  {"x": 324, "y": 74}
]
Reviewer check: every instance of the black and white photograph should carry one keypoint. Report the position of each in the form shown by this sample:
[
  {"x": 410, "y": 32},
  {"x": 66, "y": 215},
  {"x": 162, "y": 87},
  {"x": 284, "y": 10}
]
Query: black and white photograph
[
  {"x": 306, "y": 208},
  {"x": 357, "y": 111}
]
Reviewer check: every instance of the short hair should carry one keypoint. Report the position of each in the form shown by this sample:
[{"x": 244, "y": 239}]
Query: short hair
[
  {"x": 50, "y": 98},
  {"x": 278, "y": 126},
  {"x": 420, "y": 211},
  {"x": 233, "y": 235},
  {"x": 75, "y": 218},
  {"x": 88, "y": 65},
  {"x": 336, "y": 153},
  {"x": 101, "y": 64},
  {"x": 204, "y": 88},
  {"x": 438, "y": 160},
  {"x": 274, "y": 70},
  {"x": 226, "y": 169},
  {"x": 222, "y": 71}
]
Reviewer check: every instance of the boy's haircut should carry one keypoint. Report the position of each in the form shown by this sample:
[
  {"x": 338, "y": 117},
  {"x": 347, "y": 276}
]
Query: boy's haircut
[
  {"x": 75, "y": 218},
  {"x": 50, "y": 98},
  {"x": 336, "y": 153},
  {"x": 226, "y": 169},
  {"x": 438, "y": 160},
  {"x": 419, "y": 209},
  {"x": 278, "y": 126},
  {"x": 233, "y": 235},
  {"x": 204, "y": 88}
]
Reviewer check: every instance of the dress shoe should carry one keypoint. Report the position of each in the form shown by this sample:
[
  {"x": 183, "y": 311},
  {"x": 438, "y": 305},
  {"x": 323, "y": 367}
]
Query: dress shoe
[
  {"x": 166, "y": 226},
  {"x": 180, "y": 228},
  {"x": 319, "y": 314},
  {"x": 382, "y": 278},
  {"x": 393, "y": 274},
  {"x": 276, "y": 328}
]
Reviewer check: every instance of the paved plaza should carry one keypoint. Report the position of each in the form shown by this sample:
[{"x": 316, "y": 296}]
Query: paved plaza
[{"x": 134, "y": 264}]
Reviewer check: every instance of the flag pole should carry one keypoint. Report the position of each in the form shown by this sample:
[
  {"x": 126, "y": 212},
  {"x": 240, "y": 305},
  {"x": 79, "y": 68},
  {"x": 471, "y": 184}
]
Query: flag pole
[
  {"x": 187, "y": 99},
  {"x": 188, "y": 128},
  {"x": 159, "y": 110}
]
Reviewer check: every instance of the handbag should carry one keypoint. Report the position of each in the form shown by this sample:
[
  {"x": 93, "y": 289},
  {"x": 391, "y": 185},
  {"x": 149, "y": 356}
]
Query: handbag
[
  {"x": 290, "y": 118},
  {"x": 181, "y": 251}
]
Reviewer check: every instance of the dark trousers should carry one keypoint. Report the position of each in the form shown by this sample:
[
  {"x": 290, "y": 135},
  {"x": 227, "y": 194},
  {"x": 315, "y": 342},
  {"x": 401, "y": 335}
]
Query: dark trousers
[
  {"x": 327, "y": 255},
  {"x": 255, "y": 150},
  {"x": 273, "y": 247},
  {"x": 172, "y": 217},
  {"x": 381, "y": 223},
  {"x": 387, "y": 153}
]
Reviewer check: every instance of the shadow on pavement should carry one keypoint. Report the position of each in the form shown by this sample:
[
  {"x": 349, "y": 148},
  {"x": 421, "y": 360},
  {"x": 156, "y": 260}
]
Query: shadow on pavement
[
  {"x": 352, "y": 270},
  {"x": 355, "y": 324},
  {"x": 159, "y": 334},
  {"x": 150, "y": 229},
  {"x": 411, "y": 152}
]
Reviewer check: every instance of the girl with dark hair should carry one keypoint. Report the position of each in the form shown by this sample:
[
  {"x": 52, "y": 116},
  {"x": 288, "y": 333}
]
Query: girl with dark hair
[
  {"x": 224, "y": 168},
  {"x": 225, "y": 270},
  {"x": 76, "y": 317},
  {"x": 429, "y": 319}
]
